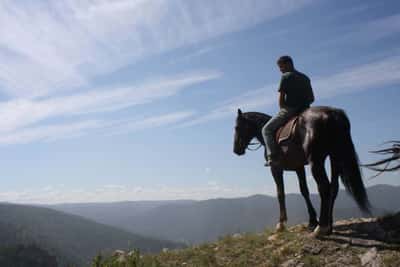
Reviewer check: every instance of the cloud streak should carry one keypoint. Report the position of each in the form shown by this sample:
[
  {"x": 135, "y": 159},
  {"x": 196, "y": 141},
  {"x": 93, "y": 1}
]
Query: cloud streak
[
  {"x": 372, "y": 75},
  {"x": 251, "y": 100},
  {"x": 84, "y": 127},
  {"x": 149, "y": 122},
  {"x": 24, "y": 120},
  {"x": 20, "y": 113},
  {"x": 373, "y": 30},
  {"x": 50, "y": 132},
  {"x": 56, "y": 46}
]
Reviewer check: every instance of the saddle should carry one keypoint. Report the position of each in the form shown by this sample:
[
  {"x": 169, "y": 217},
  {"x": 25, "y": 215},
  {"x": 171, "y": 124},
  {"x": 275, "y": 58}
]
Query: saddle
[
  {"x": 285, "y": 132},
  {"x": 292, "y": 153}
]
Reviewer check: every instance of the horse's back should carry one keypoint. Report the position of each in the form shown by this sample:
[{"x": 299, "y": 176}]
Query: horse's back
[
  {"x": 321, "y": 112},
  {"x": 313, "y": 126}
]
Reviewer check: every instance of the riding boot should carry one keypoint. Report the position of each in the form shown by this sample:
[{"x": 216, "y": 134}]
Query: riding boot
[{"x": 271, "y": 160}]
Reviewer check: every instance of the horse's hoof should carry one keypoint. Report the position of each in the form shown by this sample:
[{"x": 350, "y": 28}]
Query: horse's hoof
[
  {"x": 311, "y": 226},
  {"x": 330, "y": 230},
  {"x": 280, "y": 227},
  {"x": 321, "y": 231}
]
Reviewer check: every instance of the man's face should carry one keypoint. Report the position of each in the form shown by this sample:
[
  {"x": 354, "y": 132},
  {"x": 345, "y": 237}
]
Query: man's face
[{"x": 284, "y": 67}]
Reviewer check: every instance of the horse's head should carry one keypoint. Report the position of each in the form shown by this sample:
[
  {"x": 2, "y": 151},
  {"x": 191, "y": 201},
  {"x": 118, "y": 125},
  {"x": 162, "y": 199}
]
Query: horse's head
[{"x": 245, "y": 131}]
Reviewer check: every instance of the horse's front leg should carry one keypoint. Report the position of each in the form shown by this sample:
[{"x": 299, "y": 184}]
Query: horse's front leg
[{"x": 277, "y": 173}]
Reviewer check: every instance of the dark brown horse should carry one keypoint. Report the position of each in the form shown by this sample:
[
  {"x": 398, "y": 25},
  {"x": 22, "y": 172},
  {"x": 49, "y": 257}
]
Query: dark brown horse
[{"x": 320, "y": 132}]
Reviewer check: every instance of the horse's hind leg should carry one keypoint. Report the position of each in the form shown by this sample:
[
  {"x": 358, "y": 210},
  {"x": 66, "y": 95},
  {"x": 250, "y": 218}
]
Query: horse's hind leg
[
  {"x": 312, "y": 223},
  {"x": 277, "y": 173},
  {"x": 334, "y": 189},
  {"x": 319, "y": 173}
]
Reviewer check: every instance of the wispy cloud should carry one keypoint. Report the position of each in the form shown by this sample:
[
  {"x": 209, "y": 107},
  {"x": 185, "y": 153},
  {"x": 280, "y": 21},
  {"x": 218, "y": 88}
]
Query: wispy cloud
[
  {"x": 381, "y": 28},
  {"x": 373, "y": 75},
  {"x": 198, "y": 53},
  {"x": 55, "y": 48},
  {"x": 52, "y": 46},
  {"x": 50, "y": 132},
  {"x": 149, "y": 122},
  {"x": 20, "y": 113},
  {"x": 20, "y": 119},
  {"x": 366, "y": 31},
  {"x": 251, "y": 100},
  {"x": 80, "y": 128}
]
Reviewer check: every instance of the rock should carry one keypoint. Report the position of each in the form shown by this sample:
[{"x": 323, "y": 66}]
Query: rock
[
  {"x": 291, "y": 263},
  {"x": 121, "y": 259},
  {"x": 314, "y": 249},
  {"x": 118, "y": 252},
  {"x": 273, "y": 237},
  {"x": 131, "y": 253},
  {"x": 237, "y": 235},
  {"x": 346, "y": 245},
  {"x": 341, "y": 259},
  {"x": 371, "y": 258}
]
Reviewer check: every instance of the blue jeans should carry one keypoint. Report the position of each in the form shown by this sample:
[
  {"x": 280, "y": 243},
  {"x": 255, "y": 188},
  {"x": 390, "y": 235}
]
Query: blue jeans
[{"x": 270, "y": 128}]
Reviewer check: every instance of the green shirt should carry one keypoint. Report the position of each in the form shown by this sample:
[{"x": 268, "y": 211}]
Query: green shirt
[{"x": 297, "y": 89}]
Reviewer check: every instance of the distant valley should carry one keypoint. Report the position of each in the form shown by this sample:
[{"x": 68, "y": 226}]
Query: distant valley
[{"x": 195, "y": 222}]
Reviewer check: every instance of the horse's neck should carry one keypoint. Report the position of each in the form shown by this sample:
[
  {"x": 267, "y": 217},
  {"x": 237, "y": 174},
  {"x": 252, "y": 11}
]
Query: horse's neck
[{"x": 259, "y": 119}]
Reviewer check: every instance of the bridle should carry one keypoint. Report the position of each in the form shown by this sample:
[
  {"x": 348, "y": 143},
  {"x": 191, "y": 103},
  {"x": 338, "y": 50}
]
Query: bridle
[{"x": 257, "y": 145}]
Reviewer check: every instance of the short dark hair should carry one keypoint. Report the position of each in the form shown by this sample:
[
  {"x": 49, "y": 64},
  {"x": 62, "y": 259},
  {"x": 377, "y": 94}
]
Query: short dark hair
[{"x": 285, "y": 59}]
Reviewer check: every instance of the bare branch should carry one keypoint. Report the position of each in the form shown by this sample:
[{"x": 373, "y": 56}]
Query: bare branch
[{"x": 394, "y": 150}]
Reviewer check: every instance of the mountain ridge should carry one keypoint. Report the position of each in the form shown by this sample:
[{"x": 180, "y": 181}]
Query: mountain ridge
[{"x": 200, "y": 221}]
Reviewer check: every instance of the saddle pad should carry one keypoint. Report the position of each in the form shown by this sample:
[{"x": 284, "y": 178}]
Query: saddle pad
[{"x": 285, "y": 132}]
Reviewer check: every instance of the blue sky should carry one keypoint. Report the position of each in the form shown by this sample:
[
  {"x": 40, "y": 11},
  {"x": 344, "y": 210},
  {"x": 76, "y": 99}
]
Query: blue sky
[{"x": 136, "y": 99}]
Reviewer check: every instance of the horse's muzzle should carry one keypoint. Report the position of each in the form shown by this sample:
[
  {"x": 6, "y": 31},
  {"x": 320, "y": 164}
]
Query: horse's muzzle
[{"x": 239, "y": 152}]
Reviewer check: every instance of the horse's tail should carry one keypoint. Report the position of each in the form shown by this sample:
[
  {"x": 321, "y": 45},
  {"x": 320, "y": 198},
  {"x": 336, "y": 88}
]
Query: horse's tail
[{"x": 346, "y": 158}]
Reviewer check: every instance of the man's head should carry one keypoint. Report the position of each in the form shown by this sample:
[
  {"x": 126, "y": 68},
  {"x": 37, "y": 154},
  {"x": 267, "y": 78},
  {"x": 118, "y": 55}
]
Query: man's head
[{"x": 285, "y": 64}]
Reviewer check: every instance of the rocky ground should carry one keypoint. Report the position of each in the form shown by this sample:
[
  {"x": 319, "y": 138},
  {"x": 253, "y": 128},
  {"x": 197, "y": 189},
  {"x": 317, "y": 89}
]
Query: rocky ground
[{"x": 355, "y": 242}]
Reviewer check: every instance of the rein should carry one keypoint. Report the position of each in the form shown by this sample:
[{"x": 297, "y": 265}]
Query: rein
[{"x": 254, "y": 144}]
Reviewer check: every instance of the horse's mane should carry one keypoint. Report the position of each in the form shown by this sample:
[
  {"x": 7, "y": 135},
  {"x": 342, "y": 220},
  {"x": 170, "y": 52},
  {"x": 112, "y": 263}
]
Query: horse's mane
[{"x": 257, "y": 117}]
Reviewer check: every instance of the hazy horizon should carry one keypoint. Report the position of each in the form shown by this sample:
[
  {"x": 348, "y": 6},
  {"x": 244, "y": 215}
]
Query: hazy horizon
[{"x": 273, "y": 195}]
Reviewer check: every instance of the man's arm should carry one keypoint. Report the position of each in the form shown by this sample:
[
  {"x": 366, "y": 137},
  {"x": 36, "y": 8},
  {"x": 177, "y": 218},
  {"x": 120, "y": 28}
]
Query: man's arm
[
  {"x": 281, "y": 99},
  {"x": 282, "y": 91},
  {"x": 311, "y": 94}
]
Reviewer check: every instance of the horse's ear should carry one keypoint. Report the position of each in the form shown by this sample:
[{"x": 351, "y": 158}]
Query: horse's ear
[{"x": 240, "y": 112}]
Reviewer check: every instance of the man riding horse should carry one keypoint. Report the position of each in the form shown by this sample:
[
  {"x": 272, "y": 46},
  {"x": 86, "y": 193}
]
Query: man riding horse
[
  {"x": 314, "y": 134},
  {"x": 295, "y": 95}
]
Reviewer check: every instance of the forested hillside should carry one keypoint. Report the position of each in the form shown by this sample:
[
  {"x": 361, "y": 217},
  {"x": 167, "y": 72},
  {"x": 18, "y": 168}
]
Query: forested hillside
[{"x": 70, "y": 238}]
